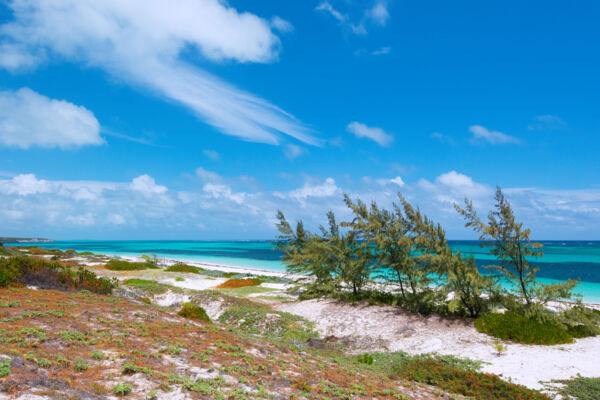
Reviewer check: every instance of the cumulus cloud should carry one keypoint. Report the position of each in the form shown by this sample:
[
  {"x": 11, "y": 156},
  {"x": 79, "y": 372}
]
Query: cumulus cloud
[
  {"x": 221, "y": 209},
  {"x": 144, "y": 50},
  {"x": 376, "y": 134},
  {"x": 29, "y": 119},
  {"x": 145, "y": 184},
  {"x": 481, "y": 133},
  {"x": 325, "y": 189},
  {"x": 25, "y": 185}
]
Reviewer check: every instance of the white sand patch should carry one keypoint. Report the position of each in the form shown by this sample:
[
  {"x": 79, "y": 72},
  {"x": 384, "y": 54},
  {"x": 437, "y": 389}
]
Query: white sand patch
[
  {"x": 280, "y": 286},
  {"x": 170, "y": 298},
  {"x": 193, "y": 281},
  {"x": 385, "y": 328}
]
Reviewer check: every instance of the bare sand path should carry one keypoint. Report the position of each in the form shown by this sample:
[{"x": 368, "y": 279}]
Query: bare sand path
[{"x": 385, "y": 328}]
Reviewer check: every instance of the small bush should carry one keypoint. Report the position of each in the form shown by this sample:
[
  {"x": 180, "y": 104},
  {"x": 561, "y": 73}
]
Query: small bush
[
  {"x": 520, "y": 329},
  {"x": 477, "y": 385},
  {"x": 97, "y": 355},
  {"x": 122, "y": 389},
  {"x": 130, "y": 369},
  {"x": 365, "y": 359},
  {"x": 181, "y": 267},
  {"x": 192, "y": 311},
  {"x": 4, "y": 367},
  {"x": 81, "y": 365},
  {"x": 122, "y": 265},
  {"x": 237, "y": 283}
]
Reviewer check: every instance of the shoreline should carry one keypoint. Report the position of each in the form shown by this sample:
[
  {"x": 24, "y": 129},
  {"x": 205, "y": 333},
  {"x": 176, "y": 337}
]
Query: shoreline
[{"x": 256, "y": 271}]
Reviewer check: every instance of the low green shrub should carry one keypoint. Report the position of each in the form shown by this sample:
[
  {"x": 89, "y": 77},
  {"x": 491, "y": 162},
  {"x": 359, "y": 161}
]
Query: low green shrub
[
  {"x": 4, "y": 368},
  {"x": 448, "y": 377},
  {"x": 578, "y": 388},
  {"x": 130, "y": 369},
  {"x": 582, "y": 331},
  {"x": 122, "y": 389},
  {"x": 81, "y": 365},
  {"x": 521, "y": 329},
  {"x": 122, "y": 265},
  {"x": 47, "y": 275},
  {"x": 181, "y": 267},
  {"x": 365, "y": 359},
  {"x": 192, "y": 311}
]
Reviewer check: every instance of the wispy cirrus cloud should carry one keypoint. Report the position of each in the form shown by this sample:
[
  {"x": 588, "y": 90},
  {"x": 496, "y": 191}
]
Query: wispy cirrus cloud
[
  {"x": 482, "y": 134},
  {"x": 547, "y": 122},
  {"x": 376, "y": 14},
  {"x": 144, "y": 50}
]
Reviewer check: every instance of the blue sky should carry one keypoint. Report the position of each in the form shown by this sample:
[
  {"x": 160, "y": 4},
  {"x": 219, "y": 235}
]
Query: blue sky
[{"x": 145, "y": 119}]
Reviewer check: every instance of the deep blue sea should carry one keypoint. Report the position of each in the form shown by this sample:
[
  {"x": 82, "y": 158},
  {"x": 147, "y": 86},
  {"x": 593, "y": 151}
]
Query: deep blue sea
[{"x": 562, "y": 259}]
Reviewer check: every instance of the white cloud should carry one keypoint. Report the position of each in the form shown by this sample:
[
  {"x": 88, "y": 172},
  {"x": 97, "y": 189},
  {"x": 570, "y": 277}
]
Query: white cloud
[
  {"x": 442, "y": 138},
  {"x": 143, "y": 49},
  {"x": 325, "y": 189},
  {"x": 377, "y": 15},
  {"x": 30, "y": 119},
  {"x": 207, "y": 176},
  {"x": 86, "y": 219},
  {"x": 14, "y": 57},
  {"x": 281, "y": 24},
  {"x": 146, "y": 185},
  {"x": 376, "y": 134},
  {"x": 25, "y": 185},
  {"x": 212, "y": 154},
  {"x": 292, "y": 151},
  {"x": 493, "y": 137},
  {"x": 39, "y": 207},
  {"x": 327, "y": 7},
  {"x": 398, "y": 181},
  {"x": 547, "y": 122},
  {"x": 382, "y": 51}
]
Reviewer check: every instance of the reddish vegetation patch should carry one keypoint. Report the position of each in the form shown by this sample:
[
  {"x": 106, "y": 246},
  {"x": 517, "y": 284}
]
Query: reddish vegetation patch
[
  {"x": 80, "y": 345},
  {"x": 238, "y": 283}
]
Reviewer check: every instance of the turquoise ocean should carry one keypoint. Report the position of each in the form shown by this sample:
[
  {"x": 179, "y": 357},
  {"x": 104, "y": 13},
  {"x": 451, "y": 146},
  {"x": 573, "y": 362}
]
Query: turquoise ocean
[{"x": 562, "y": 259}]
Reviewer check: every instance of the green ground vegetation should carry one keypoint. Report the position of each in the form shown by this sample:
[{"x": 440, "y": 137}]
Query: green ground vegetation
[
  {"x": 123, "y": 265},
  {"x": 577, "y": 388}
]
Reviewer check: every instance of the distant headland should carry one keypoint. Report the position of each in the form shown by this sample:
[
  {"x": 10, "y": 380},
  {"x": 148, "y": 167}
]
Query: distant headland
[{"x": 24, "y": 240}]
